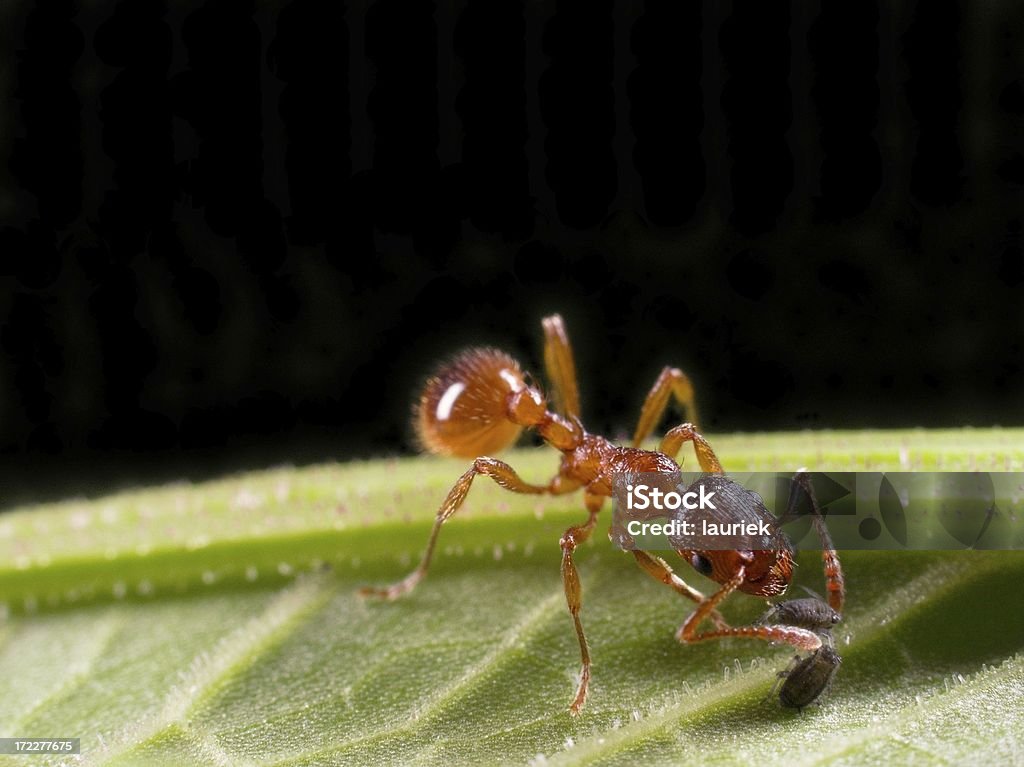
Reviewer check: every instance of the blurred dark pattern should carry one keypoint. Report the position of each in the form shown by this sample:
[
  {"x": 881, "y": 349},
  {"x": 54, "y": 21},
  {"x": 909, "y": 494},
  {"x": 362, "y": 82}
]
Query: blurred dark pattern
[{"x": 238, "y": 233}]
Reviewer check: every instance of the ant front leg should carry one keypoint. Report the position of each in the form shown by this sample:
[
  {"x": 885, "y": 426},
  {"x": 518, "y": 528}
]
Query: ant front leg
[
  {"x": 497, "y": 470},
  {"x": 835, "y": 584},
  {"x": 659, "y": 569},
  {"x": 572, "y": 538},
  {"x": 800, "y": 638},
  {"x": 671, "y": 382}
]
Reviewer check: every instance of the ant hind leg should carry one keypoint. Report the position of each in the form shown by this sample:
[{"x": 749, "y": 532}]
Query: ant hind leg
[
  {"x": 572, "y": 538},
  {"x": 670, "y": 383},
  {"x": 687, "y": 432},
  {"x": 497, "y": 470},
  {"x": 560, "y": 367}
]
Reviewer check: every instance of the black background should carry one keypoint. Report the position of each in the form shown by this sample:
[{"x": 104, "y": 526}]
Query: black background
[{"x": 240, "y": 233}]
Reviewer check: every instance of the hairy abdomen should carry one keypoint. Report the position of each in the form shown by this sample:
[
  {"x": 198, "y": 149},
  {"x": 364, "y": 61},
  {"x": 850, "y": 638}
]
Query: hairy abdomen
[{"x": 463, "y": 410}]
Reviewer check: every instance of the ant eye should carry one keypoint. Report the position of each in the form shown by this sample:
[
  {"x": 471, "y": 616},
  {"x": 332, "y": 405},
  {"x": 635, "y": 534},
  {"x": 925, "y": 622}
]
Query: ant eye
[{"x": 701, "y": 564}]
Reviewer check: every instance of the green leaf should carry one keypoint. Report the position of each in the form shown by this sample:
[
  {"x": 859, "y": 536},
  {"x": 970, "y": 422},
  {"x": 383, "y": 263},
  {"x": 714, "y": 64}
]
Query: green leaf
[{"x": 219, "y": 624}]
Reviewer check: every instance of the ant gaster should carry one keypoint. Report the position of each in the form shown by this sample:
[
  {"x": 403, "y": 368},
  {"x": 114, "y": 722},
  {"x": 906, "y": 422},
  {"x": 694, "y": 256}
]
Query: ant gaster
[{"x": 480, "y": 401}]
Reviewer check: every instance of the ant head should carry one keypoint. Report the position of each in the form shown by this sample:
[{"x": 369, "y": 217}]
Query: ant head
[
  {"x": 766, "y": 558},
  {"x": 769, "y": 571},
  {"x": 766, "y": 572},
  {"x": 719, "y": 565}
]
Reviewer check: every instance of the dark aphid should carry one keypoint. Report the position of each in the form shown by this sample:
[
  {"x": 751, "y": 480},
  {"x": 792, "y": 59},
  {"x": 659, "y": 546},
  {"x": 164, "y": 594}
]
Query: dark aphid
[
  {"x": 809, "y": 678},
  {"x": 809, "y": 613}
]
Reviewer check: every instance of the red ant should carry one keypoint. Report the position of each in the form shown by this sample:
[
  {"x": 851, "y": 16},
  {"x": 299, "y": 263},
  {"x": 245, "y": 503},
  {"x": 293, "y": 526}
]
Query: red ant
[{"x": 480, "y": 401}]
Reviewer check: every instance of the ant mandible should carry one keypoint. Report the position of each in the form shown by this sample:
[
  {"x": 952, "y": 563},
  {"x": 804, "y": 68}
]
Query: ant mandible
[{"x": 480, "y": 401}]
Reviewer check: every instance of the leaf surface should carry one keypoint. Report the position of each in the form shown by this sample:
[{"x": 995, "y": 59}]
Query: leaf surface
[{"x": 218, "y": 624}]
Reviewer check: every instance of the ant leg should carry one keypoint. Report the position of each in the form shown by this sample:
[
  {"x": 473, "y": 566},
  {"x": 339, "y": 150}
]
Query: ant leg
[
  {"x": 659, "y": 569},
  {"x": 687, "y": 432},
  {"x": 572, "y": 538},
  {"x": 800, "y": 638},
  {"x": 497, "y": 470},
  {"x": 671, "y": 382},
  {"x": 834, "y": 581},
  {"x": 559, "y": 365}
]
